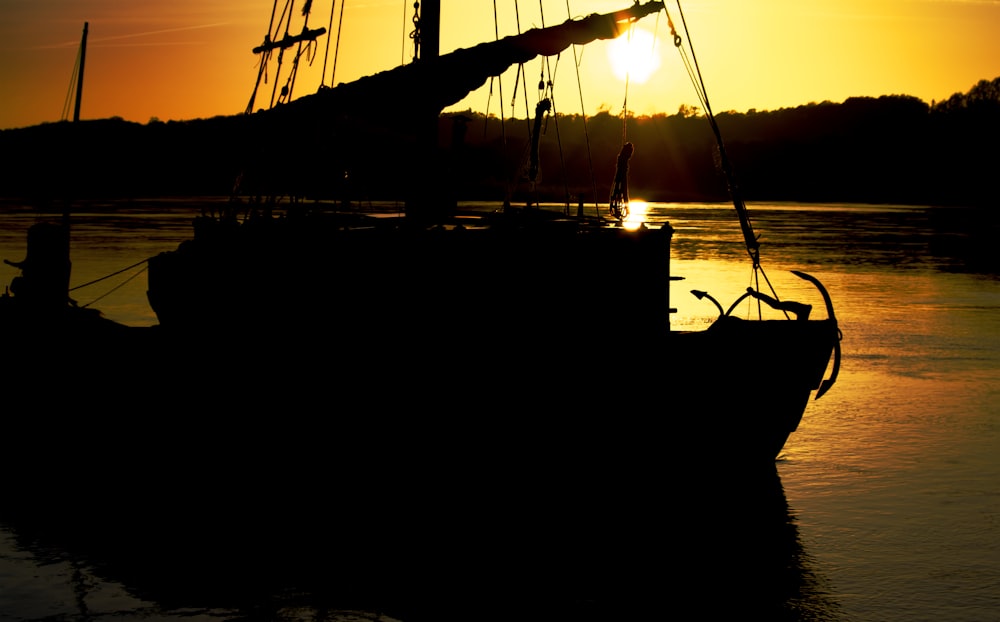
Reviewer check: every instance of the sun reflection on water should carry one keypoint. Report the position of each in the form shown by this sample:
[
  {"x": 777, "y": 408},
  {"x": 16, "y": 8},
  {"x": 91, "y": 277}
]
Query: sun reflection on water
[{"x": 637, "y": 210}]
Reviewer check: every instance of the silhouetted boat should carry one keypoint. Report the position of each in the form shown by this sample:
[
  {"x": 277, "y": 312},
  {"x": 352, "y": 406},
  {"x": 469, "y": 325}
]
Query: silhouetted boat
[
  {"x": 468, "y": 385},
  {"x": 551, "y": 306}
]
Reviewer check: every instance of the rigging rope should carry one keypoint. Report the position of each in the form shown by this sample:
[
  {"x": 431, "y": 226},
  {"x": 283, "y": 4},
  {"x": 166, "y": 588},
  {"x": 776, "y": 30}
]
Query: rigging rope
[
  {"x": 310, "y": 46},
  {"x": 108, "y": 276},
  {"x": 115, "y": 288},
  {"x": 496, "y": 36},
  {"x": 326, "y": 52},
  {"x": 519, "y": 74},
  {"x": 336, "y": 48},
  {"x": 753, "y": 247},
  {"x": 281, "y": 50},
  {"x": 508, "y": 190},
  {"x": 489, "y": 94},
  {"x": 694, "y": 73},
  {"x": 72, "y": 85},
  {"x": 521, "y": 80},
  {"x": 138, "y": 263},
  {"x": 628, "y": 76},
  {"x": 562, "y": 154},
  {"x": 546, "y": 91},
  {"x": 583, "y": 116}
]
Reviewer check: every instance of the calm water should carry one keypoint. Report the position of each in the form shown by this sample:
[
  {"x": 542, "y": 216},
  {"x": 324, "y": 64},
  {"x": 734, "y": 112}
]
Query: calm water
[{"x": 892, "y": 480}]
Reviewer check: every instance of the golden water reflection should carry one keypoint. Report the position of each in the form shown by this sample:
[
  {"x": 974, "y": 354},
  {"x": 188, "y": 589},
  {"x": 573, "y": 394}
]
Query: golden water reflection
[{"x": 637, "y": 210}]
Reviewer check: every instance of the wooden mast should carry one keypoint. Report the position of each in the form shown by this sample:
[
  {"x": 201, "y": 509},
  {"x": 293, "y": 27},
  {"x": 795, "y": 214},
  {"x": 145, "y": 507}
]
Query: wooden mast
[
  {"x": 430, "y": 29},
  {"x": 426, "y": 203}
]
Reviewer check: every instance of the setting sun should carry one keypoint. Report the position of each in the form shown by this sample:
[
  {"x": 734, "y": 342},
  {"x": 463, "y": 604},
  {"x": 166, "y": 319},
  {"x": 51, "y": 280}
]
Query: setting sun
[{"x": 635, "y": 55}]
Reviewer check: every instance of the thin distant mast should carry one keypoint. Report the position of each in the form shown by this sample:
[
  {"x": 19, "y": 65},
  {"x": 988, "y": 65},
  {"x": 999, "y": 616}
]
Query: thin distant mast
[
  {"x": 79, "y": 76},
  {"x": 76, "y": 80}
]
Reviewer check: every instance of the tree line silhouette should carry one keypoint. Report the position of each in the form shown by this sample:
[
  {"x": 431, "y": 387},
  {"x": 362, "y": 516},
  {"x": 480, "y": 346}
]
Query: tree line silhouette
[{"x": 890, "y": 149}]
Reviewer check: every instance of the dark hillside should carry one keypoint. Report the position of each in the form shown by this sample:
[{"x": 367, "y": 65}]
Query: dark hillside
[{"x": 891, "y": 149}]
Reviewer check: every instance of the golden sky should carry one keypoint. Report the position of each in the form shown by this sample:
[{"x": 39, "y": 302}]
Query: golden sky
[{"x": 187, "y": 59}]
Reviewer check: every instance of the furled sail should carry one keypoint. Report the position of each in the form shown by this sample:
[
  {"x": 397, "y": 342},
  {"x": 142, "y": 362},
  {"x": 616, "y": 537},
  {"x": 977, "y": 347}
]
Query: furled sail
[{"x": 430, "y": 85}]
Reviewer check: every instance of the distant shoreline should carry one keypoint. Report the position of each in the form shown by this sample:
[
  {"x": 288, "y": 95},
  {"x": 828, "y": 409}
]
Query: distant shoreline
[{"x": 886, "y": 150}]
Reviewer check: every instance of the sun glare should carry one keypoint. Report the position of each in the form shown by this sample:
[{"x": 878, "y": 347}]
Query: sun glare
[
  {"x": 634, "y": 55},
  {"x": 636, "y": 214}
]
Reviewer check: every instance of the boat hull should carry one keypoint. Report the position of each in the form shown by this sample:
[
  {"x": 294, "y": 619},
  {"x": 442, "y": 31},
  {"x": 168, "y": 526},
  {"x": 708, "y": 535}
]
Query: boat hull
[
  {"x": 390, "y": 331},
  {"x": 500, "y": 313},
  {"x": 421, "y": 480}
]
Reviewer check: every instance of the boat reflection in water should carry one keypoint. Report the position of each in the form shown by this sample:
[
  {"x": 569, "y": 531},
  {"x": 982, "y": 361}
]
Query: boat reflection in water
[{"x": 729, "y": 550}]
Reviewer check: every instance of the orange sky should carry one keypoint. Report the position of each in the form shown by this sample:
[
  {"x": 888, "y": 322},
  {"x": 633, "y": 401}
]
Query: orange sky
[{"x": 186, "y": 59}]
